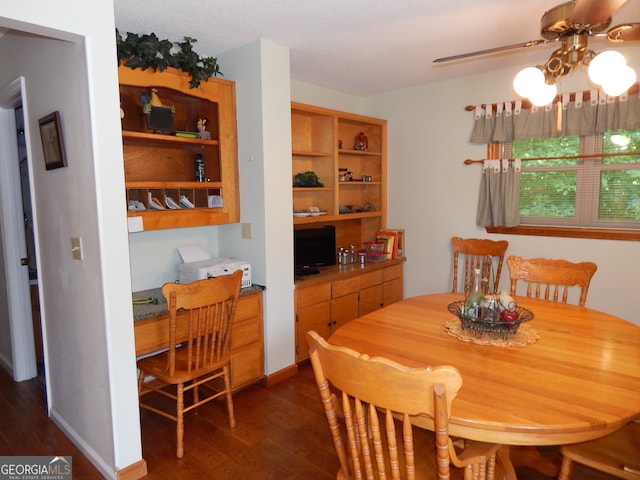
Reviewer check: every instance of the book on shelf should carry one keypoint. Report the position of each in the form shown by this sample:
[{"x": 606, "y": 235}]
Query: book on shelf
[
  {"x": 394, "y": 239},
  {"x": 400, "y": 245},
  {"x": 389, "y": 240}
]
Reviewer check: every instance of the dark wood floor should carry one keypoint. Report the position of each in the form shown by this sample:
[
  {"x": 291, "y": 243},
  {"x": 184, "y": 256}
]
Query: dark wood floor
[{"x": 281, "y": 433}]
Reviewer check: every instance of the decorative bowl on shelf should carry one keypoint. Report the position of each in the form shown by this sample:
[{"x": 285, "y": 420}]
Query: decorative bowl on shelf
[{"x": 492, "y": 322}]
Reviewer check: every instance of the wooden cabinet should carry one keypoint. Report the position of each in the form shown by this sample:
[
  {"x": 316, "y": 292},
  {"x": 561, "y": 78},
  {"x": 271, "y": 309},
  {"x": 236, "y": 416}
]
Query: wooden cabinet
[
  {"x": 160, "y": 166},
  {"x": 323, "y": 142},
  {"x": 392, "y": 285},
  {"x": 247, "y": 338},
  {"x": 338, "y": 295},
  {"x": 312, "y": 312}
]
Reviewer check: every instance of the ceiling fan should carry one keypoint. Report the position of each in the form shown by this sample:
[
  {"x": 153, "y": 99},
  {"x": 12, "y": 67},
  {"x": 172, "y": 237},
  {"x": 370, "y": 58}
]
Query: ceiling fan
[{"x": 571, "y": 24}]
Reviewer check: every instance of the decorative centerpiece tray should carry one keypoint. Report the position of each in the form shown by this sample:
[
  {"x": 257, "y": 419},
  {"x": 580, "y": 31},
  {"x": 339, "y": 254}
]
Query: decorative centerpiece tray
[{"x": 491, "y": 322}]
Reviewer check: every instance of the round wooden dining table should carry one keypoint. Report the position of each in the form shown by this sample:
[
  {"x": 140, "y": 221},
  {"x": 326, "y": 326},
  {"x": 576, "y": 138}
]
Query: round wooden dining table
[{"x": 578, "y": 380}]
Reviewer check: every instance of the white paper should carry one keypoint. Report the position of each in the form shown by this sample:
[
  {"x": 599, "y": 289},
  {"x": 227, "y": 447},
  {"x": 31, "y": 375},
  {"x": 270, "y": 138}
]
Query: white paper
[{"x": 193, "y": 253}]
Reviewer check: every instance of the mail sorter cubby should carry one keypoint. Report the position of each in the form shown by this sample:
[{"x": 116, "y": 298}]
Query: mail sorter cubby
[{"x": 161, "y": 164}]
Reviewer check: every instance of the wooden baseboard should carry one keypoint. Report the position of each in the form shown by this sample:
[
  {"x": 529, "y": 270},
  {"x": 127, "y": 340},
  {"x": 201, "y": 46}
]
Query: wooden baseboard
[
  {"x": 280, "y": 375},
  {"x": 133, "y": 472}
]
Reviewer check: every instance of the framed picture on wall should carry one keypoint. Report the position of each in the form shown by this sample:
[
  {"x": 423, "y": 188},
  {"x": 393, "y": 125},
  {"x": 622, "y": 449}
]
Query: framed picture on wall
[{"x": 52, "y": 142}]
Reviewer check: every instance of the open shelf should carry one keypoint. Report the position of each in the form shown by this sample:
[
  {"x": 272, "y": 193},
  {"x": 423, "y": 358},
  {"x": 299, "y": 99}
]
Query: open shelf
[
  {"x": 160, "y": 165},
  {"x": 323, "y": 142}
]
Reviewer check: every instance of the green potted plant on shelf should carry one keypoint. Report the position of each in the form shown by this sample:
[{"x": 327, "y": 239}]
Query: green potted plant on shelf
[{"x": 148, "y": 51}]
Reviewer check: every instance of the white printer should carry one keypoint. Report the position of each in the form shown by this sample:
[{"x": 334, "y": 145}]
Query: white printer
[
  {"x": 213, "y": 267},
  {"x": 203, "y": 266}
]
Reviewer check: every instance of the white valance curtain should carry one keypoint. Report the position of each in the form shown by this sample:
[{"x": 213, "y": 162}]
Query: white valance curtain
[{"x": 572, "y": 114}]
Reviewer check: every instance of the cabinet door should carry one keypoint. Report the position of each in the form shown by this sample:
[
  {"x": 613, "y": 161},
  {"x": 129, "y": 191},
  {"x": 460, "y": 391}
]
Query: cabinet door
[
  {"x": 314, "y": 317},
  {"x": 343, "y": 310},
  {"x": 391, "y": 291},
  {"x": 247, "y": 353},
  {"x": 370, "y": 299},
  {"x": 247, "y": 366},
  {"x": 391, "y": 285},
  {"x": 313, "y": 312}
]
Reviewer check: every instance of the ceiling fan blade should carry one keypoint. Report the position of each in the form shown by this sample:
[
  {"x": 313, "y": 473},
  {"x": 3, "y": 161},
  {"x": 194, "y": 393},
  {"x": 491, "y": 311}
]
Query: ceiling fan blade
[
  {"x": 625, "y": 33},
  {"x": 594, "y": 12},
  {"x": 505, "y": 48}
]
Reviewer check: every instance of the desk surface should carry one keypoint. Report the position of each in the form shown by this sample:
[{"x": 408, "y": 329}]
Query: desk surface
[
  {"x": 151, "y": 310},
  {"x": 580, "y": 380}
]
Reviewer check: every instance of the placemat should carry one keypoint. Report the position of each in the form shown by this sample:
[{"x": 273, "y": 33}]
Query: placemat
[{"x": 524, "y": 336}]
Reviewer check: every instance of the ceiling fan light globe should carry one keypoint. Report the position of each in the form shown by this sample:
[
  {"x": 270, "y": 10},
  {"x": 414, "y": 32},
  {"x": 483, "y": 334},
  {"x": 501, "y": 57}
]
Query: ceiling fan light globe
[
  {"x": 528, "y": 80},
  {"x": 620, "y": 82},
  {"x": 543, "y": 95},
  {"x": 603, "y": 64}
]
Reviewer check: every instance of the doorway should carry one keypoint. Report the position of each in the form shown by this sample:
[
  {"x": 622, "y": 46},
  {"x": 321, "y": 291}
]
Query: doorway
[
  {"x": 30, "y": 260},
  {"x": 17, "y": 349}
]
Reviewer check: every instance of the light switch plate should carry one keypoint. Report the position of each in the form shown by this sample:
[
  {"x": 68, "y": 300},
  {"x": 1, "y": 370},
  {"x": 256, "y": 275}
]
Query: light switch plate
[
  {"x": 245, "y": 230},
  {"x": 76, "y": 248},
  {"x": 135, "y": 224}
]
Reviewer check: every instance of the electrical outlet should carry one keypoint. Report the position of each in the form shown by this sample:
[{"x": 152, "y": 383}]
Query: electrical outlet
[{"x": 76, "y": 248}]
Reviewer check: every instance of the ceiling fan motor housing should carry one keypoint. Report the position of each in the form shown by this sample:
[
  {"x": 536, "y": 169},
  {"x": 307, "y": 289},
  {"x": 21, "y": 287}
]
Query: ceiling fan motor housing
[{"x": 555, "y": 23}]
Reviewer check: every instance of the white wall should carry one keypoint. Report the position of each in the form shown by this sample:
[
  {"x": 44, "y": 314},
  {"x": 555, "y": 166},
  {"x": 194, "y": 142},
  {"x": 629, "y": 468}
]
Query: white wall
[
  {"x": 325, "y": 97},
  {"x": 154, "y": 256},
  {"x": 85, "y": 305},
  {"x": 261, "y": 71},
  {"x": 244, "y": 65}
]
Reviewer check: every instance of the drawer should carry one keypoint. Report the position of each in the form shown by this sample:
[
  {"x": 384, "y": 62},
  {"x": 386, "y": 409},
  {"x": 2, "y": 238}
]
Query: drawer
[
  {"x": 370, "y": 279},
  {"x": 392, "y": 272},
  {"x": 344, "y": 287},
  {"x": 249, "y": 306},
  {"x": 245, "y": 333},
  {"x": 312, "y": 295},
  {"x": 247, "y": 366}
]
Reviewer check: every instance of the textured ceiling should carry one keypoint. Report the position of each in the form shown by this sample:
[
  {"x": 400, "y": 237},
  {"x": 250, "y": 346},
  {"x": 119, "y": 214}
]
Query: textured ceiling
[{"x": 360, "y": 47}]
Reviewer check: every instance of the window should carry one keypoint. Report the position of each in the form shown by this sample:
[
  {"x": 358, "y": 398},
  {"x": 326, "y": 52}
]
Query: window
[{"x": 592, "y": 182}]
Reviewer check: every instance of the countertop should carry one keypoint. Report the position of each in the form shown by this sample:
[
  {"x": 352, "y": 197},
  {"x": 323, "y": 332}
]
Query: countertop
[
  {"x": 147, "y": 310},
  {"x": 340, "y": 272}
]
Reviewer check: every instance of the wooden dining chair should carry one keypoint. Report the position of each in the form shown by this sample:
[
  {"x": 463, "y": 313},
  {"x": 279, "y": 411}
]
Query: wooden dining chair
[
  {"x": 378, "y": 398},
  {"x": 617, "y": 454},
  {"x": 200, "y": 317},
  {"x": 551, "y": 279},
  {"x": 472, "y": 253}
]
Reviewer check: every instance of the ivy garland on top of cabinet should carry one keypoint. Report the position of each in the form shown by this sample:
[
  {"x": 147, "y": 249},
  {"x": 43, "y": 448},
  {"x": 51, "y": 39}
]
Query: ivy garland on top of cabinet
[
  {"x": 180, "y": 149},
  {"x": 148, "y": 51}
]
